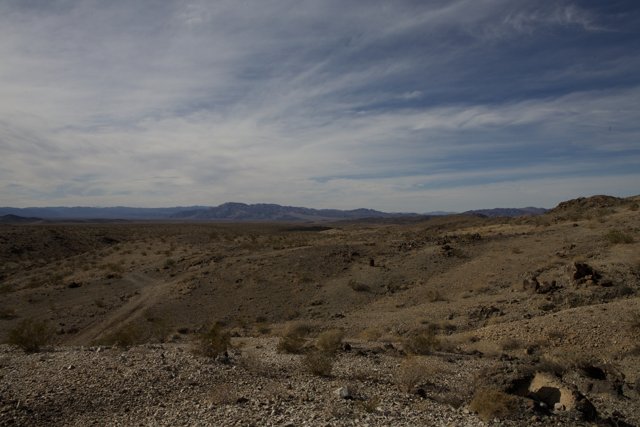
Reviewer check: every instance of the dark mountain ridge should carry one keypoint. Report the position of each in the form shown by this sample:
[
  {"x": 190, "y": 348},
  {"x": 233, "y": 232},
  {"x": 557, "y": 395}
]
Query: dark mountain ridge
[{"x": 234, "y": 211}]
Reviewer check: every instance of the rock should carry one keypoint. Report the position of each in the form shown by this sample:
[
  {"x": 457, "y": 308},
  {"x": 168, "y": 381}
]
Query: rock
[
  {"x": 581, "y": 273},
  {"x": 344, "y": 393},
  {"x": 532, "y": 285},
  {"x": 549, "y": 389},
  {"x": 484, "y": 312}
]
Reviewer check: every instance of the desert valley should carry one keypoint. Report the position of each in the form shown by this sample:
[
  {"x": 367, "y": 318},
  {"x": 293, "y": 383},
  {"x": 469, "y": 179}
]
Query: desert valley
[{"x": 448, "y": 320}]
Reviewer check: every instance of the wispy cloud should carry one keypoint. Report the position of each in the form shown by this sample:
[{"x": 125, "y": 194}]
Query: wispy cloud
[{"x": 315, "y": 103}]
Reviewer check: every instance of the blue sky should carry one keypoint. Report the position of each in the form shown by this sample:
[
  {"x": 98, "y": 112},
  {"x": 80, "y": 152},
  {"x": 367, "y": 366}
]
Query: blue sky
[{"x": 399, "y": 106}]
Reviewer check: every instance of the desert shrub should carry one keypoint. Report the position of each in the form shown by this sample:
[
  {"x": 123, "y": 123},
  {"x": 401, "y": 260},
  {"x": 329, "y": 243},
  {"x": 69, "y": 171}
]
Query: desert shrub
[
  {"x": 434, "y": 296},
  {"x": 263, "y": 328},
  {"x": 371, "y": 334},
  {"x": 359, "y": 287},
  {"x": 511, "y": 344},
  {"x": 318, "y": 363},
  {"x": 490, "y": 403},
  {"x": 31, "y": 335},
  {"x": 370, "y": 405},
  {"x": 618, "y": 236},
  {"x": 125, "y": 337},
  {"x": 211, "y": 342},
  {"x": 330, "y": 341},
  {"x": 169, "y": 263},
  {"x": 411, "y": 374},
  {"x": 252, "y": 362},
  {"x": 293, "y": 339},
  {"x": 634, "y": 207},
  {"x": 421, "y": 341}
]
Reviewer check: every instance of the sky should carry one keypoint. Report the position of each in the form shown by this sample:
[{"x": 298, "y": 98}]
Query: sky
[{"x": 401, "y": 106}]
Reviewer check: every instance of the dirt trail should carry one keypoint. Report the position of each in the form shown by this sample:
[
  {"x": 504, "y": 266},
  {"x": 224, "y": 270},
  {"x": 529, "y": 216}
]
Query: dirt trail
[{"x": 150, "y": 292}]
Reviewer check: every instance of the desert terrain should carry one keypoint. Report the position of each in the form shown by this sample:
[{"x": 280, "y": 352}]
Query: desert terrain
[{"x": 453, "y": 320}]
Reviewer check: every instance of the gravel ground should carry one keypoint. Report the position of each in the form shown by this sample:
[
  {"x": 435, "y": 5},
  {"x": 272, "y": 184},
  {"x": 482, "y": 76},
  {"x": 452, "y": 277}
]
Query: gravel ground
[{"x": 167, "y": 385}]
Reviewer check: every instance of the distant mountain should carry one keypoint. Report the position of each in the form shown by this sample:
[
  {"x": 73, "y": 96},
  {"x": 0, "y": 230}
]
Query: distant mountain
[
  {"x": 16, "y": 219},
  {"x": 509, "y": 212},
  {"x": 439, "y": 213},
  {"x": 273, "y": 212},
  {"x": 238, "y": 212},
  {"x": 80, "y": 212}
]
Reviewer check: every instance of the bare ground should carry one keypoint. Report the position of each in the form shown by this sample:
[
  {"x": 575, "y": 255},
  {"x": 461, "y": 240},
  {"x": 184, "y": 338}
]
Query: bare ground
[{"x": 507, "y": 298}]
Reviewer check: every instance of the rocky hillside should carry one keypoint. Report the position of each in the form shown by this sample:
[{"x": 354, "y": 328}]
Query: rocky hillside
[{"x": 454, "y": 320}]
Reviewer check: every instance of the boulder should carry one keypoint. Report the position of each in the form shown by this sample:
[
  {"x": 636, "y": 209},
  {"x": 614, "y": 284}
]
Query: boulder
[
  {"x": 546, "y": 387},
  {"x": 581, "y": 273}
]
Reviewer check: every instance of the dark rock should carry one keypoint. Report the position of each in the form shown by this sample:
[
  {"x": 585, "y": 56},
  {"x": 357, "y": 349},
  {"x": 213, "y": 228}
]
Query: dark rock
[{"x": 581, "y": 273}]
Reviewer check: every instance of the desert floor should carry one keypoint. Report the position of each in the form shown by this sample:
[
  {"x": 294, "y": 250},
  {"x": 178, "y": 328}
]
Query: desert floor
[{"x": 455, "y": 320}]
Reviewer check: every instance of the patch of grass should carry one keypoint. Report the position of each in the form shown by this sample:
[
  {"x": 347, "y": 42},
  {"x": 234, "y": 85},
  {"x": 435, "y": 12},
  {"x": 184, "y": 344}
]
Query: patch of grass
[
  {"x": 31, "y": 335},
  {"x": 318, "y": 363},
  {"x": 618, "y": 237},
  {"x": 490, "y": 403},
  {"x": 330, "y": 341}
]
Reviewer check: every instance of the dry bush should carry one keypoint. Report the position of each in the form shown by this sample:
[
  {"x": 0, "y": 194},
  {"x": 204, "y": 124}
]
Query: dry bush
[
  {"x": 211, "y": 342},
  {"x": 330, "y": 341},
  {"x": 153, "y": 330},
  {"x": 263, "y": 328},
  {"x": 124, "y": 337},
  {"x": 252, "y": 362},
  {"x": 422, "y": 341},
  {"x": 318, "y": 363},
  {"x": 31, "y": 335},
  {"x": 509, "y": 344},
  {"x": 618, "y": 237},
  {"x": 490, "y": 403},
  {"x": 370, "y": 405},
  {"x": 434, "y": 296},
  {"x": 412, "y": 373},
  {"x": 371, "y": 334},
  {"x": 359, "y": 287},
  {"x": 293, "y": 340}
]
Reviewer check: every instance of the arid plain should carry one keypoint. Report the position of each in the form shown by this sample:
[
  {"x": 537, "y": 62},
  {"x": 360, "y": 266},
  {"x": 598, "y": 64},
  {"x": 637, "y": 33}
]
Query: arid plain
[{"x": 453, "y": 320}]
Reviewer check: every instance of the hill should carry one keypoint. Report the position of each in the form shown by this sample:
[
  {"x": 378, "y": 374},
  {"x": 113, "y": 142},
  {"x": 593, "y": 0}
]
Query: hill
[
  {"x": 455, "y": 319},
  {"x": 507, "y": 212}
]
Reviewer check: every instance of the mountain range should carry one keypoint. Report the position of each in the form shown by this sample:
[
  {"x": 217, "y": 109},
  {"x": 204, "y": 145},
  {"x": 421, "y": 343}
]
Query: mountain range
[{"x": 229, "y": 212}]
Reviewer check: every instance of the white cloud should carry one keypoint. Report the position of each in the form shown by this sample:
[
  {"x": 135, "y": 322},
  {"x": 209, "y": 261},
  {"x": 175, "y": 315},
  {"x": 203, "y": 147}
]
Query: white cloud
[{"x": 200, "y": 103}]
